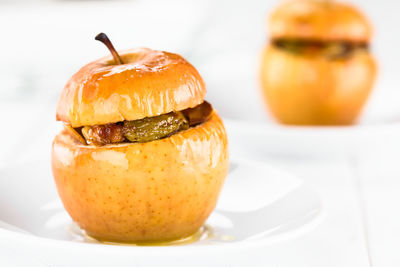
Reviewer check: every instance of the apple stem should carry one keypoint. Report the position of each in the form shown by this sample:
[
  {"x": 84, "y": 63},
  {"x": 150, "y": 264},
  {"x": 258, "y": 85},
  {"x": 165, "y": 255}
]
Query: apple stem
[{"x": 102, "y": 37}]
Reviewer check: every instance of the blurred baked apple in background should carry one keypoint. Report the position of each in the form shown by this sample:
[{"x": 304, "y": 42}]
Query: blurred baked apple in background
[{"x": 317, "y": 68}]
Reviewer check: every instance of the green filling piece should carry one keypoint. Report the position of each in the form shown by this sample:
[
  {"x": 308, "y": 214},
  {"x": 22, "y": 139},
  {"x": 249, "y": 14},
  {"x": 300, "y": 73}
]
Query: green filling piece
[{"x": 153, "y": 128}]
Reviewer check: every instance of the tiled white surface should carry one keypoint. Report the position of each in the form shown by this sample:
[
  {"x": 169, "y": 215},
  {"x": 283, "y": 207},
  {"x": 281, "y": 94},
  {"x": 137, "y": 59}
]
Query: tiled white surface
[
  {"x": 339, "y": 240},
  {"x": 380, "y": 175},
  {"x": 47, "y": 42}
]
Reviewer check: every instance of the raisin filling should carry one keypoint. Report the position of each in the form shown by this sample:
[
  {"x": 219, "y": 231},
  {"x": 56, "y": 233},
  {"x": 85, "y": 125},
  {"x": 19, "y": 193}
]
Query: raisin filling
[
  {"x": 146, "y": 129},
  {"x": 328, "y": 49}
]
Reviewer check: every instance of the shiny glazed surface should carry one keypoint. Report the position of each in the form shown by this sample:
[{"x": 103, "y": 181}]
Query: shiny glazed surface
[
  {"x": 141, "y": 192},
  {"x": 314, "y": 90},
  {"x": 148, "y": 84}
]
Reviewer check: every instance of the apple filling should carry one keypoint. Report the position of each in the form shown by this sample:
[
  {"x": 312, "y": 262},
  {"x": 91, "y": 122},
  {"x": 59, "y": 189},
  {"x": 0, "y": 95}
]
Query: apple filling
[
  {"x": 143, "y": 130},
  {"x": 328, "y": 49}
]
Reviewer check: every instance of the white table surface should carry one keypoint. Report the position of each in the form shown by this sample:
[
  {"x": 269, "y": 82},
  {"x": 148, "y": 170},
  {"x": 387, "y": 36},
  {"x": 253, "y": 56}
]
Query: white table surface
[{"x": 361, "y": 192}]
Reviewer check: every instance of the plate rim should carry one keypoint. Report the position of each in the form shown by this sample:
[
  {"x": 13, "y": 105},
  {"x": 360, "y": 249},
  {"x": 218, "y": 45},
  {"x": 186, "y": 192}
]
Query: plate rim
[
  {"x": 31, "y": 239},
  {"x": 296, "y": 129}
]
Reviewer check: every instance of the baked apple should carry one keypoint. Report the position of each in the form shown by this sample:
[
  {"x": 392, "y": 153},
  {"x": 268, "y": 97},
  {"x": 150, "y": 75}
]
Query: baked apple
[
  {"x": 142, "y": 157},
  {"x": 317, "y": 68}
]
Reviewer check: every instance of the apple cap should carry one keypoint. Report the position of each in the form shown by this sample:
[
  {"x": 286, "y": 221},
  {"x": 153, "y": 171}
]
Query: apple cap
[
  {"x": 319, "y": 20},
  {"x": 148, "y": 84}
]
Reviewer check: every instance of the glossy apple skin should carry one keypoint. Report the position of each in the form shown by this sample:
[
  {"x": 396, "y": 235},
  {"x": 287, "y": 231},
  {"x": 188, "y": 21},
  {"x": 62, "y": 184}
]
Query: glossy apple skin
[
  {"x": 306, "y": 90},
  {"x": 143, "y": 192}
]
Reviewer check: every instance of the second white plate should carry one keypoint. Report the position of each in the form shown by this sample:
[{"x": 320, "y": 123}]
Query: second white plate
[{"x": 259, "y": 140}]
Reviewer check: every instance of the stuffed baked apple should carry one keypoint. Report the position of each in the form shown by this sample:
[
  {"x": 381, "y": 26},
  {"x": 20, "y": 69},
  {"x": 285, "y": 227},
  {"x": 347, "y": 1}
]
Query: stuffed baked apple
[
  {"x": 317, "y": 68},
  {"x": 142, "y": 157}
]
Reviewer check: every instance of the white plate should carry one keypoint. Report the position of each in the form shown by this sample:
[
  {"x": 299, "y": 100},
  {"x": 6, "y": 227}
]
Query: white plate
[
  {"x": 259, "y": 206},
  {"x": 260, "y": 140}
]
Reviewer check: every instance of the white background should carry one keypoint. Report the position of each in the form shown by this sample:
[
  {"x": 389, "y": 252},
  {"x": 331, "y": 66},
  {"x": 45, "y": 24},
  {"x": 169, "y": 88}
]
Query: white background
[{"x": 44, "y": 42}]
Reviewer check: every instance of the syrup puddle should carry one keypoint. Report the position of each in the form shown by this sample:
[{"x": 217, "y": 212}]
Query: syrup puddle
[{"x": 205, "y": 232}]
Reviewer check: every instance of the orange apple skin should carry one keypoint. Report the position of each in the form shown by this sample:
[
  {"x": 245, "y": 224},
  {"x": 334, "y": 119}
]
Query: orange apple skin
[
  {"x": 143, "y": 192},
  {"x": 313, "y": 90}
]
